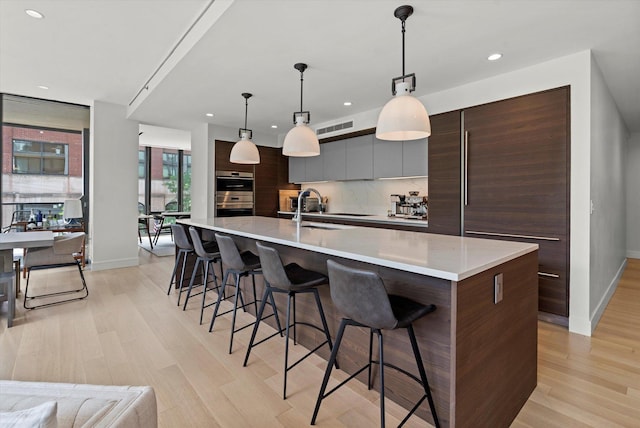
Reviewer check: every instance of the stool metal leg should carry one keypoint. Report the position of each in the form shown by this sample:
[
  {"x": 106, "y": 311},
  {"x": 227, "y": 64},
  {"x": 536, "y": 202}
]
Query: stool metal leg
[
  {"x": 235, "y": 308},
  {"x": 211, "y": 265},
  {"x": 381, "y": 357},
  {"x": 323, "y": 319},
  {"x": 423, "y": 378},
  {"x": 369, "y": 385},
  {"x": 290, "y": 296},
  {"x": 193, "y": 278},
  {"x": 184, "y": 266},
  {"x": 215, "y": 311},
  {"x": 265, "y": 296},
  {"x": 327, "y": 373},
  {"x": 175, "y": 269},
  {"x": 208, "y": 266}
]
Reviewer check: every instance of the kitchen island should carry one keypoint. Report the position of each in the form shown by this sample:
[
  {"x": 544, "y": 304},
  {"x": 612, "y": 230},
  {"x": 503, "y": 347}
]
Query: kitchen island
[{"x": 479, "y": 346}]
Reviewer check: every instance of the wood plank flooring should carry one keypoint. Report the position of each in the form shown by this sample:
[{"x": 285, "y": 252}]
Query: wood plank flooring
[{"x": 129, "y": 332}]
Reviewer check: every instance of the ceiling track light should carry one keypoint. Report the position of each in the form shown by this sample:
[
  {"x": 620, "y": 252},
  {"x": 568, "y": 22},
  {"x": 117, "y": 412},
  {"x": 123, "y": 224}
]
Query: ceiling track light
[
  {"x": 403, "y": 117},
  {"x": 301, "y": 141},
  {"x": 245, "y": 151}
]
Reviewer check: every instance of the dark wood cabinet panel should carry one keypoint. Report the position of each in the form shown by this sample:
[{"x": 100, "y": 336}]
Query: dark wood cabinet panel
[
  {"x": 444, "y": 174},
  {"x": 223, "y": 150},
  {"x": 518, "y": 166},
  {"x": 271, "y": 175}
]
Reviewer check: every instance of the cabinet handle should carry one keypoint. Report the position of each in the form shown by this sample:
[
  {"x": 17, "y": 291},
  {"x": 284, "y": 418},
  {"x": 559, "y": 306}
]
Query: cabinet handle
[
  {"x": 549, "y": 275},
  {"x": 466, "y": 168},
  {"x": 509, "y": 235}
]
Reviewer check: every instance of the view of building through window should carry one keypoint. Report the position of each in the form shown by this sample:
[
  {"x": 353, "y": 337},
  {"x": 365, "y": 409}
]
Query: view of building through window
[
  {"x": 43, "y": 152},
  {"x": 164, "y": 184}
]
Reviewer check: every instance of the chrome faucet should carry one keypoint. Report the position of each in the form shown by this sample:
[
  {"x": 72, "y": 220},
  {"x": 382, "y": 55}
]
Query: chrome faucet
[{"x": 298, "y": 216}]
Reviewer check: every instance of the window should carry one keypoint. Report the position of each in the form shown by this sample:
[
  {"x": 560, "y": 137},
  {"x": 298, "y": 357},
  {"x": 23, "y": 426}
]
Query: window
[
  {"x": 141, "y": 163},
  {"x": 169, "y": 165},
  {"x": 39, "y": 157},
  {"x": 45, "y": 150}
]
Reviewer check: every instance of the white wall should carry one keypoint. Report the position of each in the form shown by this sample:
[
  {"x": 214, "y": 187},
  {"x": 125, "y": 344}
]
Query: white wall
[
  {"x": 573, "y": 70},
  {"x": 608, "y": 244},
  {"x": 113, "y": 179},
  {"x": 202, "y": 154},
  {"x": 633, "y": 196}
]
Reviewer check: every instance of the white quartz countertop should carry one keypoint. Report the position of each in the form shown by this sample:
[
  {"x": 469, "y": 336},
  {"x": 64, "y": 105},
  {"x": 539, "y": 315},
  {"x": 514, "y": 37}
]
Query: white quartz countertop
[
  {"x": 448, "y": 257},
  {"x": 380, "y": 219}
]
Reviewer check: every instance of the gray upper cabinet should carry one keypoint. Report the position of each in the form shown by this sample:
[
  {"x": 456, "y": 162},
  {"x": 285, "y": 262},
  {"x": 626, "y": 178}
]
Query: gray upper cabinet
[
  {"x": 314, "y": 167},
  {"x": 387, "y": 158},
  {"x": 362, "y": 158},
  {"x": 297, "y": 169},
  {"x": 415, "y": 158},
  {"x": 334, "y": 162},
  {"x": 359, "y": 157}
]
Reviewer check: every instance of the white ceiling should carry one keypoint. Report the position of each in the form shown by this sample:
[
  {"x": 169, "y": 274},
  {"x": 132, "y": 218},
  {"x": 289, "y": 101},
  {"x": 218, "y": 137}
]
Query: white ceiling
[{"x": 108, "y": 50}]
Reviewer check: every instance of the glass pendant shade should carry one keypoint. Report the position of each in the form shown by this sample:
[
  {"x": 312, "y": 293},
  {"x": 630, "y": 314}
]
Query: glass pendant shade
[
  {"x": 403, "y": 118},
  {"x": 301, "y": 141},
  {"x": 244, "y": 152}
]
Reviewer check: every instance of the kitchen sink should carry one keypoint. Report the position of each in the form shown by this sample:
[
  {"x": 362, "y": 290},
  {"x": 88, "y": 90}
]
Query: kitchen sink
[
  {"x": 350, "y": 214},
  {"x": 325, "y": 226}
]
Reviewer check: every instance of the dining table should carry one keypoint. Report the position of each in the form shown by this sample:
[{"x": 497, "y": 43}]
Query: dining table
[
  {"x": 8, "y": 242},
  {"x": 161, "y": 216}
]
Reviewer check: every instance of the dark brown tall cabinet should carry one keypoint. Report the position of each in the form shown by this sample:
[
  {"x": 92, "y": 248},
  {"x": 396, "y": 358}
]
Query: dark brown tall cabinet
[
  {"x": 444, "y": 174},
  {"x": 513, "y": 162},
  {"x": 270, "y": 175}
]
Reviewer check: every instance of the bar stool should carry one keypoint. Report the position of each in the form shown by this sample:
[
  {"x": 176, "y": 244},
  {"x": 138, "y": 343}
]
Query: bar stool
[
  {"x": 360, "y": 296},
  {"x": 208, "y": 257},
  {"x": 290, "y": 279},
  {"x": 184, "y": 246},
  {"x": 239, "y": 265}
]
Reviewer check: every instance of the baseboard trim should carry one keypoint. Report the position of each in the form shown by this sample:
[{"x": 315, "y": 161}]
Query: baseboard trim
[
  {"x": 602, "y": 304},
  {"x": 633, "y": 254},
  {"x": 114, "y": 264}
]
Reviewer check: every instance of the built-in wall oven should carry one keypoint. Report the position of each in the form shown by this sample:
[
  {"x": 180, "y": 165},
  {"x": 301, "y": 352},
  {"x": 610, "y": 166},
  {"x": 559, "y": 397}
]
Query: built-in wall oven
[{"x": 234, "y": 193}]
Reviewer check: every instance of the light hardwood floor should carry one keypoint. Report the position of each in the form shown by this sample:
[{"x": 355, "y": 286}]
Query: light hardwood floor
[{"x": 129, "y": 332}]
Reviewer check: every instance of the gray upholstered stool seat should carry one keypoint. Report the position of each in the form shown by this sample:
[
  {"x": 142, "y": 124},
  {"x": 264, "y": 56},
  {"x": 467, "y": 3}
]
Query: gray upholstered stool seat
[
  {"x": 361, "y": 297},
  {"x": 207, "y": 258},
  {"x": 239, "y": 265},
  {"x": 291, "y": 279}
]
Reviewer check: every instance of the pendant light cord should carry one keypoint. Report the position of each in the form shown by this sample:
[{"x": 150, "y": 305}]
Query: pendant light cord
[
  {"x": 246, "y": 110},
  {"x": 403, "y": 24},
  {"x": 301, "y": 83}
]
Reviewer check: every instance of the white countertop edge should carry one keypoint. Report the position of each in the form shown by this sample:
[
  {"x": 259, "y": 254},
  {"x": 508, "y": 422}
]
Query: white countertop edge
[
  {"x": 436, "y": 273},
  {"x": 364, "y": 219}
]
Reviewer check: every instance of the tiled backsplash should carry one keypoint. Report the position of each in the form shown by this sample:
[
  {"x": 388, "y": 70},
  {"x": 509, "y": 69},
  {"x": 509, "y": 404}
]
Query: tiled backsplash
[{"x": 367, "y": 197}]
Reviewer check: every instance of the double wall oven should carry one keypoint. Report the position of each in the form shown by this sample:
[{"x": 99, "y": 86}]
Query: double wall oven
[{"x": 234, "y": 193}]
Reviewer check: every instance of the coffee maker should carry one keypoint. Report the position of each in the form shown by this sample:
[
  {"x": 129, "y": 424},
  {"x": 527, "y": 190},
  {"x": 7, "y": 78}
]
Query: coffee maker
[
  {"x": 412, "y": 206},
  {"x": 397, "y": 203}
]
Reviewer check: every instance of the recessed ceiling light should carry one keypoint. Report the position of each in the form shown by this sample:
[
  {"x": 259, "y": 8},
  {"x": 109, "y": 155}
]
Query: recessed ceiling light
[
  {"x": 209, "y": 115},
  {"x": 494, "y": 57},
  {"x": 43, "y": 87},
  {"x": 34, "y": 13},
  {"x": 274, "y": 126},
  {"x": 347, "y": 103}
]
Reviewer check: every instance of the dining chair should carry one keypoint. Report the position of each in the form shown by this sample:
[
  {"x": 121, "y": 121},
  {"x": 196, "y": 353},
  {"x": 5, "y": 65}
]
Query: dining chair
[{"x": 65, "y": 251}]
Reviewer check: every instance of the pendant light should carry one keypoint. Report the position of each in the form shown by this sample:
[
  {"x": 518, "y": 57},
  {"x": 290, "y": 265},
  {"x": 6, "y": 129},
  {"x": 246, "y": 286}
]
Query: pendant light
[
  {"x": 301, "y": 141},
  {"x": 403, "y": 117},
  {"x": 244, "y": 151}
]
